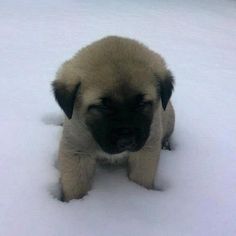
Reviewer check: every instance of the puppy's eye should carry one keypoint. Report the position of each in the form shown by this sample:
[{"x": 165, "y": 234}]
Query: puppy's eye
[
  {"x": 98, "y": 107},
  {"x": 144, "y": 104}
]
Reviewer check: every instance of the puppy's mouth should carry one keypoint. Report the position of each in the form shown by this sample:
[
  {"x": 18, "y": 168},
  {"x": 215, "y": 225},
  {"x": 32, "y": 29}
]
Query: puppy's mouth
[
  {"x": 118, "y": 150},
  {"x": 123, "y": 145},
  {"x": 126, "y": 144},
  {"x": 121, "y": 140}
]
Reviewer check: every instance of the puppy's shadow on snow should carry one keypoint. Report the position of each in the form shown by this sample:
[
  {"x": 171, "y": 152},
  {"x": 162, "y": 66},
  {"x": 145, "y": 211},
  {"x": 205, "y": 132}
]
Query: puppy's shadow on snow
[
  {"x": 110, "y": 178},
  {"x": 55, "y": 191}
]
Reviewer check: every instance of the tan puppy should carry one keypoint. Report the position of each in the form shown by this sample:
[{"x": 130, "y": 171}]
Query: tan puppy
[{"x": 115, "y": 94}]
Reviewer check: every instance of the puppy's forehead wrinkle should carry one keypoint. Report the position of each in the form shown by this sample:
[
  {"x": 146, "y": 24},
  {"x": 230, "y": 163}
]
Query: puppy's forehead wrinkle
[
  {"x": 115, "y": 78},
  {"x": 120, "y": 92}
]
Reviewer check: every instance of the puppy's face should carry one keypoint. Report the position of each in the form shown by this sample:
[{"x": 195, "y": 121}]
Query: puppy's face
[
  {"x": 120, "y": 125},
  {"x": 115, "y": 94},
  {"x": 119, "y": 109}
]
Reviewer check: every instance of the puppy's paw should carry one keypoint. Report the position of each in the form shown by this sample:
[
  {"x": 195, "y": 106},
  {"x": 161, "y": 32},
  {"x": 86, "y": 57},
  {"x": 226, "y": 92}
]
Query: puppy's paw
[{"x": 166, "y": 145}]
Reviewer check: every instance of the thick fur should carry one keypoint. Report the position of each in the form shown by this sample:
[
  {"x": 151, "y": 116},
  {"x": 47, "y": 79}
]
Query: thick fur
[{"x": 114, "y": 66}]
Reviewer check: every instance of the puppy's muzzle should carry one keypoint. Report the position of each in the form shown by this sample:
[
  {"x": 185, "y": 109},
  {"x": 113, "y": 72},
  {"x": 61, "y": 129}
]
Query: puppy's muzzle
[{"x": 124, "y": 139}]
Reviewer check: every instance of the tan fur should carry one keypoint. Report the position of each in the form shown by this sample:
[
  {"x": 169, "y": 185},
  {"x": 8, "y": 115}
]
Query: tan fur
[{"x": 108, "y": 65}]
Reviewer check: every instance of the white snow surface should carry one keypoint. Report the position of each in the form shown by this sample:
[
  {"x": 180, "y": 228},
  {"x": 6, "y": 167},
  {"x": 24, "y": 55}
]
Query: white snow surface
[{"x": 197, "y": 179}]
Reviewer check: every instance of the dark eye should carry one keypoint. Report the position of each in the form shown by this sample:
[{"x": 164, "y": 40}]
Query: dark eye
[
  {"x": 99, "y": 107},
  {"x": 105, "y": 106},
  {"x": 144, "y": 104}
]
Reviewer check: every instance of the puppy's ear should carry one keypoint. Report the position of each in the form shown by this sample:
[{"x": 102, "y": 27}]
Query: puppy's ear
[
  {"x": 65, "y": 95},
  {"x": 166, "y": 88}
]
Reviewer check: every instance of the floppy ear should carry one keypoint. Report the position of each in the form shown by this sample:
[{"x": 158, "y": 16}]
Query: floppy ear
[
  {"x": 166, "y": 88},
  {"x": 65, "y": 96}
]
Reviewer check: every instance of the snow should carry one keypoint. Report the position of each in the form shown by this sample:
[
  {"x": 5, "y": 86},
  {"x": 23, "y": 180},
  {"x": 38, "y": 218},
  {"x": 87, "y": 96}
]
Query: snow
[{"x": 196, "y": 181}]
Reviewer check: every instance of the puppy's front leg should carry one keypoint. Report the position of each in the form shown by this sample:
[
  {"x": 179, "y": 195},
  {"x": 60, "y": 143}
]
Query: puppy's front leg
[
  {"x": 76, "y": 174},
  {"x": 142, "y": 167}
]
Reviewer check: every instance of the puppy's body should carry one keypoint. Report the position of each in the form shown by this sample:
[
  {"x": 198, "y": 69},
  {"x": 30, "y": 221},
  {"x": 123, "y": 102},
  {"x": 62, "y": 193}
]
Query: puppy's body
[{"x": 115, "y": 93}]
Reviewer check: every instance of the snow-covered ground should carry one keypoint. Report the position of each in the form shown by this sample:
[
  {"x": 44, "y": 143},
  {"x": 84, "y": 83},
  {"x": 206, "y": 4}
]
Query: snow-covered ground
[{"x": 198, "y": 178}]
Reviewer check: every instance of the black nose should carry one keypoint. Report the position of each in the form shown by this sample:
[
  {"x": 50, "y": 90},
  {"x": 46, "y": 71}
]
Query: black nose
[
  {"x": 125, "y": 138},
  {"x": 125, "y": 143}
]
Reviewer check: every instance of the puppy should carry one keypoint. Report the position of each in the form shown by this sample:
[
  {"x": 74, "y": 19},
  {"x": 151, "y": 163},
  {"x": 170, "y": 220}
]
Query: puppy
[{"x": 115, "y": 94}]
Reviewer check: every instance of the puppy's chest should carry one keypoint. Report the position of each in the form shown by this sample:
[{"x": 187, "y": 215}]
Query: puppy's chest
[{"x": 116, "y": 159}]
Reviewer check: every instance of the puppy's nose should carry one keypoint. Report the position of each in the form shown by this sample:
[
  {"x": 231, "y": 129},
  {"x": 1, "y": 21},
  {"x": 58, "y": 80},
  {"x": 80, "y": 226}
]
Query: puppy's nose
[
  {"x": 125, "y": 143},
  {"x": 125, "y": 138}
]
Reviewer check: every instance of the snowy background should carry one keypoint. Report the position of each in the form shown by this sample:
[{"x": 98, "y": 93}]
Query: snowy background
[{"x": 198, "y": 178}]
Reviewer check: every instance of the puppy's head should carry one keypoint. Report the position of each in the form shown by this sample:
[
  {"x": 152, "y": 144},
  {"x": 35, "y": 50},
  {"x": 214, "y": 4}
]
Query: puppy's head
[{"x": 115, "y": 92}]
